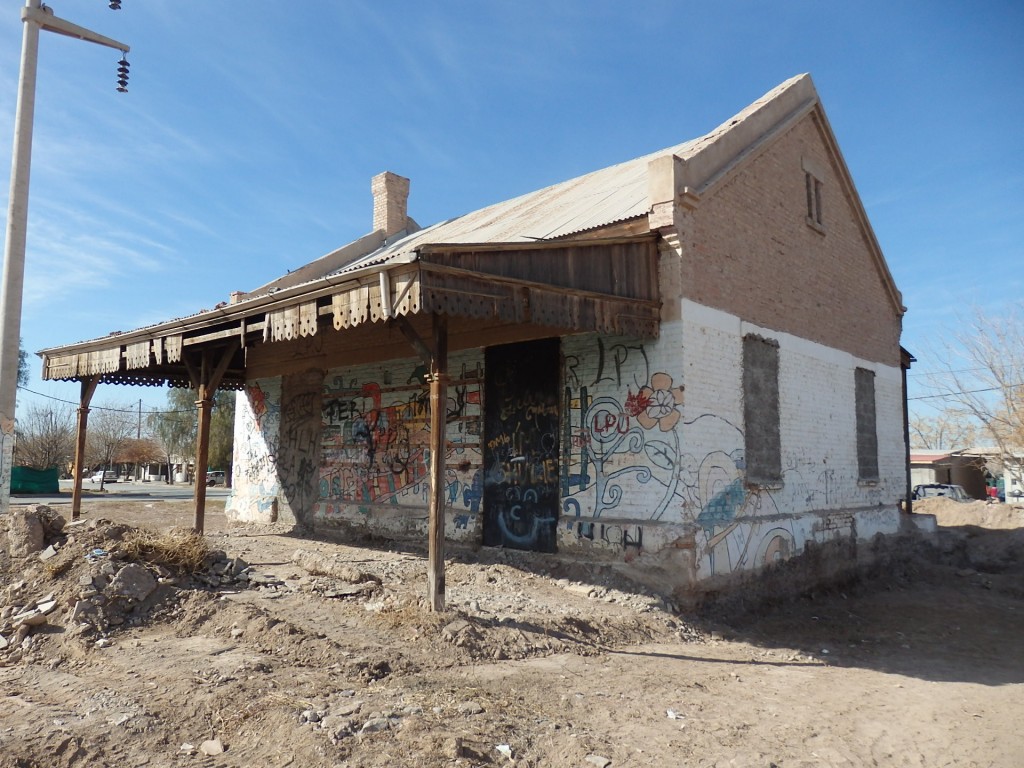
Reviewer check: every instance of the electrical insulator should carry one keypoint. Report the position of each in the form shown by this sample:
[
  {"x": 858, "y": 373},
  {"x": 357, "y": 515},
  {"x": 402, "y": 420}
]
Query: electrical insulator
[{"x": 122, "y": 75}]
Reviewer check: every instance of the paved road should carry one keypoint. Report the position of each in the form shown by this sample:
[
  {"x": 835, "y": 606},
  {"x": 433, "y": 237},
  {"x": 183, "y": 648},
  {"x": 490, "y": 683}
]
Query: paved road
[{"x": 122, "y": 492}]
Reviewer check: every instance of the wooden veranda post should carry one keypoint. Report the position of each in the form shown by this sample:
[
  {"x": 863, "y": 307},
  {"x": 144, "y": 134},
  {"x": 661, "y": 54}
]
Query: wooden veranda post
[
  {"x": 204, "y": 404},
  {"x": 88, "y": 388},
  {"x": 438, "y": 378},
  {"x": 205, "y": 378}
]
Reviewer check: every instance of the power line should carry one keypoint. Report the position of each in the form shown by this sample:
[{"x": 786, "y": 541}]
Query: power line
[
  {"x": 964, "y": 392},
  {"x": 102, "y": 408},
  {"x": 945, "y": 373}
]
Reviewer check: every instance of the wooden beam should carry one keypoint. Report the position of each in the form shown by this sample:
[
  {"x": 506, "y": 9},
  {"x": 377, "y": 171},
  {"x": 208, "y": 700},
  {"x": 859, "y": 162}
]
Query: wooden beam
[
  {"x": 438, "y": 378},
  {"x": 194, "y": 374},
  {"x": 414, "y": 338},
  {"x": 215, "y": 335},
  {"x": 222, "y": 365},
  {"x": 537, "y": 245},
  {"x": 88, "y": 389}
]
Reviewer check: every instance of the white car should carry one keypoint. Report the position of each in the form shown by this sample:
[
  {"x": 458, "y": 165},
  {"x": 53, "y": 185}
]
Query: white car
[
  {"x": 932, "y": 490},
  {"x": 109, "y": 476}
]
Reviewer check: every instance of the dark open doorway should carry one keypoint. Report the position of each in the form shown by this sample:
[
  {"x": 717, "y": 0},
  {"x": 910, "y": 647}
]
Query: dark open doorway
[{"x": 521, "y": 419}]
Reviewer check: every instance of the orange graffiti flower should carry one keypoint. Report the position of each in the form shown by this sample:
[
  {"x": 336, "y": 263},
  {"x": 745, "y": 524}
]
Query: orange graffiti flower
[{"x": 661, "y": 403}]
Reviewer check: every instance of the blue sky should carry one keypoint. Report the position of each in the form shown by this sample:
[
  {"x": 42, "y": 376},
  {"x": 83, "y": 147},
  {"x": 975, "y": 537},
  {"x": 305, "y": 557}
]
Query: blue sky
[{"x": 250, "y": 132}]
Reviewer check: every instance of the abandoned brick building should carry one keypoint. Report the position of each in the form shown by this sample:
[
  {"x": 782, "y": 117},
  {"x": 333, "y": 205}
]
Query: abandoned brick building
[{"x": 687, "y": 365}]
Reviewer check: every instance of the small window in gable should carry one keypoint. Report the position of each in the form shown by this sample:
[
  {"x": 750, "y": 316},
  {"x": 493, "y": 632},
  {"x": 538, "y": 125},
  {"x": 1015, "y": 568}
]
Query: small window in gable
[{"x": 813, "y": 175}]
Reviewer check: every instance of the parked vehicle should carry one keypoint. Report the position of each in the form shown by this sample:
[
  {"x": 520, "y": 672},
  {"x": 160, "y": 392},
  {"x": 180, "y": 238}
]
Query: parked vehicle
[
  {"x": 215, "y": 477},
  {"x": 107, "y": 476},
  {"x": 933, "y": 490}
]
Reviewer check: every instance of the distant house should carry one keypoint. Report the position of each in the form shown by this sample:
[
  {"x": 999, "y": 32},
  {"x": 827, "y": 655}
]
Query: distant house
[
  {"x": 930, "y": 466},
  {"x": 949, "y": 467},
  {"x": 984, "y": 466},
  {"x": 973, "y": 468},
  {"x": 686, "y": 365}
]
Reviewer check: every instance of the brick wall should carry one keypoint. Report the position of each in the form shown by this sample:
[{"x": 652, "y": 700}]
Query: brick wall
[
  {"x": 255, "y": 482},
  {"x": 752, "y": 253},
  {"x": 374, "y": 461},
  {"x": 646, "y": 484}
]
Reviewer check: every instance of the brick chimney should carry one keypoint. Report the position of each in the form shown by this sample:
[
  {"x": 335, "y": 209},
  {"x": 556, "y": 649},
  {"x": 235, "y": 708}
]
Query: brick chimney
[{"x": 390, "y": 199}]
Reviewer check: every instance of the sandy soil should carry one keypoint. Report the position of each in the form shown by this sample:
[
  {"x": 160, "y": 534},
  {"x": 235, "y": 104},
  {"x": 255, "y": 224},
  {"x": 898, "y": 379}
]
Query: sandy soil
[{"x": 323, "y": 654}]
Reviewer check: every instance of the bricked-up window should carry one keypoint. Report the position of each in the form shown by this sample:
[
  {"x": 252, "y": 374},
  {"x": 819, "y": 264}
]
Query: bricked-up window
[
  {"x": 813, "y": 175},
  {"x": 867, "y": 434},
  {"x": 762, "y": 441}
]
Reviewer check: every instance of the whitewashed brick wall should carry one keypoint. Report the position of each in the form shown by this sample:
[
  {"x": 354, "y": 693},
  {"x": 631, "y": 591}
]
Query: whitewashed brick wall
[
  {"x": 700, "y": 495},
  {"x": 255, "y": 482},
  {"x": 654, "y": 460},
  {"x": 375, "y": 457}
]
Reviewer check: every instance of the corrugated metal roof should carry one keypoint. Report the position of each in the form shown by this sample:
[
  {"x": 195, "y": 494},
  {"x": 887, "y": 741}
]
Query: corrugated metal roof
[
  {"x": 608, "y": 196},
  {"x": 598, "y": 199},
  {"x": 604, "y": 197}
]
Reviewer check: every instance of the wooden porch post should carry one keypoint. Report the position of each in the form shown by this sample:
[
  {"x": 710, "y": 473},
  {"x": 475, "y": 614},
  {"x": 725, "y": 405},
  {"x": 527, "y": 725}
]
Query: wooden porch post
[
  {"x": 206, "y": 378},
  {"x": 204, "y": 404},
  {"x": 438, "y": 378},
  {"x": 88, "y": 388}
]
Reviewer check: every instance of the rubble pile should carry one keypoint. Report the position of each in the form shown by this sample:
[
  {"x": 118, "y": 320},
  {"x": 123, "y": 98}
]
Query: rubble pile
[{"x": 87, "y": 578}]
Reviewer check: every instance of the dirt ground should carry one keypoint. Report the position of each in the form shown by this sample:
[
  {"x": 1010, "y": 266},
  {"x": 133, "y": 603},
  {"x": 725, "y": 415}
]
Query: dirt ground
[{"x": 286, "y": 651}]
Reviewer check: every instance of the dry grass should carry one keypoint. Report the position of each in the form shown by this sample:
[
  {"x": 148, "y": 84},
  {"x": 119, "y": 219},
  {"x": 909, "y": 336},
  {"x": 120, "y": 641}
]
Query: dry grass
[{"x": 179, "y": 549}]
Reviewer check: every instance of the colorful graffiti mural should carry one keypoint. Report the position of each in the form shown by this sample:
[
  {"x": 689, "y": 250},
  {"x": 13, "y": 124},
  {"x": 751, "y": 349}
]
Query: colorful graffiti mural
[
  {"x": 375, "y": 440},
  {"x": 624, "y": 457}
]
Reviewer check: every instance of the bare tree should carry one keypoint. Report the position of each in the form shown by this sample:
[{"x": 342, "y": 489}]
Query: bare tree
[
  {"x": 949, "y": 429},
  {"x": 175, "y": 429},
  {"x": 982, "y": 379},
  {"x": 111, "y": 426},
  {"x": 137, "y": 451},
  {"x": 46, "y": 437}
]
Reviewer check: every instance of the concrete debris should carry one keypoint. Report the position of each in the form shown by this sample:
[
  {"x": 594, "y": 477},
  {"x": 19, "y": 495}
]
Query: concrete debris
[
  {"x": 32, "y": 618},
  {"x": 598, "y": 760},
  {"x": 212, "y": 747},
  {"x": 470, "y": 708},
  {"x": 375, "y": 725},
  {"x": 318, "y": 565},
  {"x": 133, "y": 583},
  {"x": 348, "y": 708},
  {"x": 24, "y": 532},
  {"x": 455, "y": 628}
]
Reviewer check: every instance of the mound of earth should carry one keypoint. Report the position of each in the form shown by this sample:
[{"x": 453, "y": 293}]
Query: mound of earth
[{"x": 980, "y": 513}]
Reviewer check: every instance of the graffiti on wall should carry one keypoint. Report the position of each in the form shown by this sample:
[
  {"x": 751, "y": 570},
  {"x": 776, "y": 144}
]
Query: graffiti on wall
[
  {"x": 613, "y": 441},
  {"x": 298, "y": 448},
  {"x": 258, "y": 419},
  {"x": 375, "y": 436},
  {"x": 521, "y": 485},
  {"x": 625, "y": 456}
]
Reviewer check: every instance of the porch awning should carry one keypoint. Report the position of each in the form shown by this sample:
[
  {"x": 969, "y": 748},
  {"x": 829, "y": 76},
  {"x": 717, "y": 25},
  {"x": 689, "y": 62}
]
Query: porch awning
[{"x": 607, "y": 286}]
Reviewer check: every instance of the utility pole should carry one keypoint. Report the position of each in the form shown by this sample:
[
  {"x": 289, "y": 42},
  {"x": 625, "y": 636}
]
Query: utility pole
[{"x": 36, "y": 17}]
